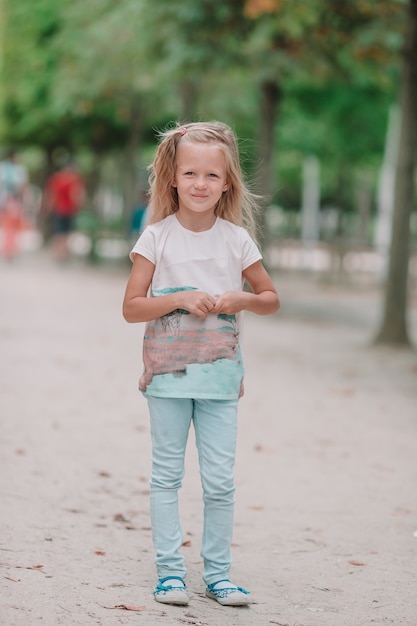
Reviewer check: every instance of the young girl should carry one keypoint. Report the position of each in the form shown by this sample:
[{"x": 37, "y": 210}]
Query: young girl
[{"x": 194, "y": 257}]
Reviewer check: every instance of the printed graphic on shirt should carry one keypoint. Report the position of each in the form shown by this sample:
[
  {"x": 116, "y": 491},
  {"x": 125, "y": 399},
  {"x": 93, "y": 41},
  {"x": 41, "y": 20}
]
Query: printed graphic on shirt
[{"x": 179, "y": 340}]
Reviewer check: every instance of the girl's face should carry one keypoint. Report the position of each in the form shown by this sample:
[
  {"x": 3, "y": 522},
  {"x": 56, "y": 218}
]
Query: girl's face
[{"x": 200, "y": 179}]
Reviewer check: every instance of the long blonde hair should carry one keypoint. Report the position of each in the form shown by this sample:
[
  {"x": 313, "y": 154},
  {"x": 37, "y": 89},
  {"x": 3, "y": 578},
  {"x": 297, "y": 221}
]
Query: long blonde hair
[{"x": 237, "y": 204}]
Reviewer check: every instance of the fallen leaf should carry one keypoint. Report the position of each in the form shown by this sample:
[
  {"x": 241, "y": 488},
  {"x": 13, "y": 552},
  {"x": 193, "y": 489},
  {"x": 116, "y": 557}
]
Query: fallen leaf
[
  {"x": 14, "y": 580},
  {"x": 119, "y": 517},
  {"x": 37, "y": 567},
  {"x": 104, "y": 474},
  {"x": 126, "y": 607},
  {"x": 99, "y": 552},
  {"x": 333, "y": 589},
  {"x": 186, "y": 543},
  {"x": 357, "y": 563},
  {"x": 401, "y": 510},
  {"x": 316, "y": 542}
]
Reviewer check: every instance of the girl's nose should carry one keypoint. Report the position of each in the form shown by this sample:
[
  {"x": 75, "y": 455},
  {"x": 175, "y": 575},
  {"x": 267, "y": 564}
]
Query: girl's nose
[{"x": 200, "y": 182}]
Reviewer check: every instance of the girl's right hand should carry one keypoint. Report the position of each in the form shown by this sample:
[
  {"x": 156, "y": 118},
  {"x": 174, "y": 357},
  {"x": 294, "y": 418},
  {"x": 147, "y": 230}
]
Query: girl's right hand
[{"x": 197, "y": 302}]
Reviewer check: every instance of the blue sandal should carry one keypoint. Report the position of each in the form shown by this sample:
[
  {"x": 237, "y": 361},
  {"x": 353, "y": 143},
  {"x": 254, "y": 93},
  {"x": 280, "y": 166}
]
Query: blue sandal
[
  {"x": 228, "y": 594},
  {"x": 171, "y": 594}
]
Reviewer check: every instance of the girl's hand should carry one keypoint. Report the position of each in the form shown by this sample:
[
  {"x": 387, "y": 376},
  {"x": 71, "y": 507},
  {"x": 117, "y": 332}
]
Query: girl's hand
[
  {"x": 197, "y": 302},
  {"x": 229, "y": 303},
  {"x": 263, "y": 300}
]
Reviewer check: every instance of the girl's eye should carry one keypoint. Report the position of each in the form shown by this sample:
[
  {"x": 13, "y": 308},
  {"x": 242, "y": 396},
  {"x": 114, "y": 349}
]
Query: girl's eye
[
  {"x": 213, "y": 175},
  {"x": 189, "y": 173}
]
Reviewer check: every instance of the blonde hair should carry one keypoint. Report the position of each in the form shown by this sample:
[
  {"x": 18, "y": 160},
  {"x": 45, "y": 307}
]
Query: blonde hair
[{"x": 237, "y": 204}]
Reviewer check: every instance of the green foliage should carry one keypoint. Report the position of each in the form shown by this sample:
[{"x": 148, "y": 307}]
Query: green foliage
[
  {"x": 345, "y": 127},
  {"x": 335, "y": 121},
  {"x": 83, "y": 74}
]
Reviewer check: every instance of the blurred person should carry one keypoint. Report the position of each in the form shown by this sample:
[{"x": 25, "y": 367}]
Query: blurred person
[
  {"x": 189, "y": 268},
  {"x": 13, "y": 178},
  {"x": 138, "y": 217},
  {"x": 13, "y": 183},
  {"x": 65, "y": 196}
]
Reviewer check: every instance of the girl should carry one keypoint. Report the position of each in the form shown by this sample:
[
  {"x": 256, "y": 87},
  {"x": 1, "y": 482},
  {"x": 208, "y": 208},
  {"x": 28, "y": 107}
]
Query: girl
[{"x": 194, "y": 257}]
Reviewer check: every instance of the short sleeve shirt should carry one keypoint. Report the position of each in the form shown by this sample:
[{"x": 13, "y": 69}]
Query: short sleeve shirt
[{"x": 186, "y": 356}]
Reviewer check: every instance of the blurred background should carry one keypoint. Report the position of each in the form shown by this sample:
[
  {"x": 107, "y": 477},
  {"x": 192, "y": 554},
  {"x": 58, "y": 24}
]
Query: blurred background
[{"x": 322, "y": 95}]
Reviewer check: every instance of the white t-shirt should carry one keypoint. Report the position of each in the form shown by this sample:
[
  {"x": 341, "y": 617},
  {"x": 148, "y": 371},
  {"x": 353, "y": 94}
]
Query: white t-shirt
[{"x": 186, "y": 356}]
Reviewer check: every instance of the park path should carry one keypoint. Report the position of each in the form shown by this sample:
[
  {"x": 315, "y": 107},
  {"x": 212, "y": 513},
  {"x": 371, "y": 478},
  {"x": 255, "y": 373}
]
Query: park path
[{"x": 326, "y": 469}]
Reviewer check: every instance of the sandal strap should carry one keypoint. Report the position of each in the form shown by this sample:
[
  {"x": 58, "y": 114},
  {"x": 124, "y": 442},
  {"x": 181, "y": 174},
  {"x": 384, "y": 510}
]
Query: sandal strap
[
  {"x": 161, "y": 587},
  {"x": 226, "y": 591}
]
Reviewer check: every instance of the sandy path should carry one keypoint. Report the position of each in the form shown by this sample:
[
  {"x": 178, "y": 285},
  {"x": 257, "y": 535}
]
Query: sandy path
[{"x": 326, "y": 470}]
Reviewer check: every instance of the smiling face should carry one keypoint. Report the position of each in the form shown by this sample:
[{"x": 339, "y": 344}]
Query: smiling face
[{"x": 200, "y": 180}]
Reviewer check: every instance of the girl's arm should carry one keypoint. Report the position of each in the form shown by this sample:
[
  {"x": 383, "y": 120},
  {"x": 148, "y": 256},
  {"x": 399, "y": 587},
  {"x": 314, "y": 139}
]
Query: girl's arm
[
  {"x": 263, "y": 300},
  {"x": 138, "y": 307}
]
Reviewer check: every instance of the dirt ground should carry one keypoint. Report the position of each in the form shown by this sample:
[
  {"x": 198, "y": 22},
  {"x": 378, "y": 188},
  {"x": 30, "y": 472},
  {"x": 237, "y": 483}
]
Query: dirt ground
[{"x": 326, "y": 472}]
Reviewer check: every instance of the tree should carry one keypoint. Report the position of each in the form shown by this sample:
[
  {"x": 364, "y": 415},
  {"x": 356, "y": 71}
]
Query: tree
[
  {"x": 316, "y": 42},
  {"x": 104, "y": 75},
  {"x": 394, "y": 328},
  {"x": 274, "y": 50},
  {"x": 70, "y": 78},
  {"x": 192, "y": 42},
  {"x": 99, "y": 78},
  {"x": 28, "y": 67}
]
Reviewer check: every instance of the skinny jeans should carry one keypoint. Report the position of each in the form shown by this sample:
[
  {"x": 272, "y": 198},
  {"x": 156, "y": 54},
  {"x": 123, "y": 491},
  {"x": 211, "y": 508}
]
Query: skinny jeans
[{"x": 215, "y": 425}]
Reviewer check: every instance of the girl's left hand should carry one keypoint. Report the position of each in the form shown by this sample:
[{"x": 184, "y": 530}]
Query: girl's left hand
[{"x": 229, "y": 303}]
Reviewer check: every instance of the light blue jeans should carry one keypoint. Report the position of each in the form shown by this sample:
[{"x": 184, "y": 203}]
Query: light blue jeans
[{"x": 215, "y": 424}]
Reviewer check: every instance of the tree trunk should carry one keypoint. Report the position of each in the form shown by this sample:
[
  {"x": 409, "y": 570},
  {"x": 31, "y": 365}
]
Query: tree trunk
[
  {"x": 271, "y": 96},
  {"x": 189, "y": 97},
  {"x": 310, "y": 205},
  {"x": 364, "y": 208},
  {"x": 132, "y": 147},
  {"x": 386, "y": 190},
  {"x": 394, "y": 328}
]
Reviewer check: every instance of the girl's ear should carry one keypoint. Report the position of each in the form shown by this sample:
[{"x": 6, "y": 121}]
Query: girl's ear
[{"x": 226, "y": 187}]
